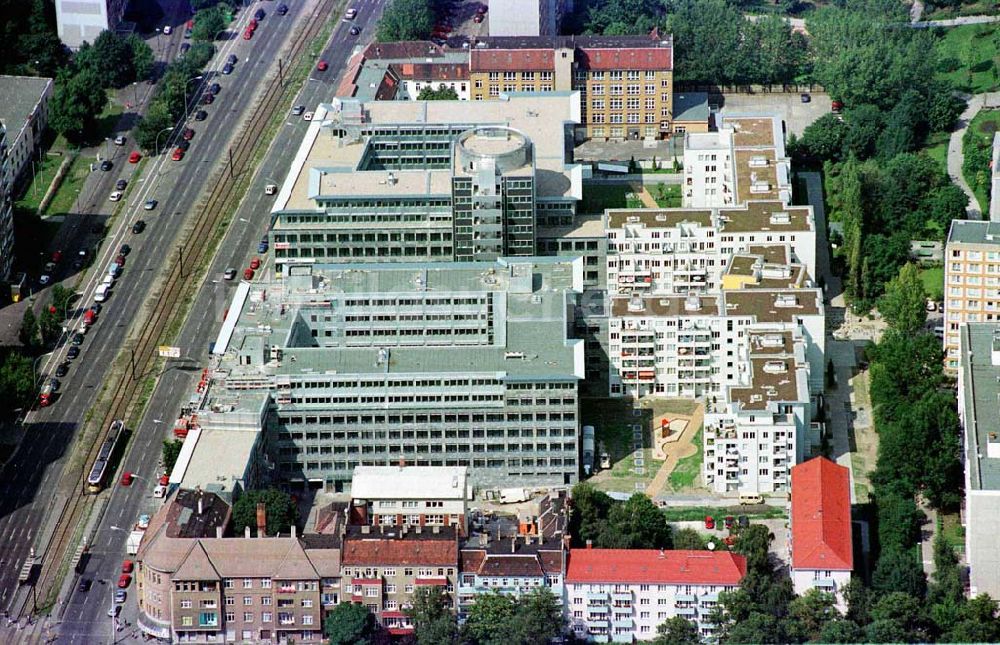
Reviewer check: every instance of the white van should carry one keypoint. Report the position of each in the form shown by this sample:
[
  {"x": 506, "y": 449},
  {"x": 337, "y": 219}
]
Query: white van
[
  {"x": 102, "y": 293},
  {"x": 108, "y": 281}
]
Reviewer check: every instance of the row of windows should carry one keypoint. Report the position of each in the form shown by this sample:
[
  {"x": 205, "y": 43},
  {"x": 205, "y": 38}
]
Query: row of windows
[
  {"x": 293, "y": 451},
  {"x": 568, "y": 464}
]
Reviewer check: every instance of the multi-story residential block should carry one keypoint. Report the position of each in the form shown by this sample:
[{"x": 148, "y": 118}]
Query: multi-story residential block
[
  {"x": 384, "y": 566},
  {"x": 822, "y": 546},
  {"x": 24, "y": 111},
  {"x": 978, "y": 394},
  {"x": 971, "y": 281},
  {"x": 622, "y": 596},
  {"x": 744, "y": 160},
  {"x": 625, "y": 82},
  {"x": 410, "y": 496},
  {"x": 675, "y": 251},
  {"x": 79, "y": 21},
  {"x": 193, "y": 588},
  {"x": 6, "y": 208},
  {"x": 527, "y": 17},
  {"x": 515, "y": 563},
  {"x": 405, "y": 181},
  {"x": 440, "y": 364}
]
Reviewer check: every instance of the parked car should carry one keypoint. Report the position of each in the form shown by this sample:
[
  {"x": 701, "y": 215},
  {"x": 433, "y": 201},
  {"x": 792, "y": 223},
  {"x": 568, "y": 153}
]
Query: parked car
[
  {"x": 200, "y": 115},
  {"x": 115, "y": 196},
  {"x": 729, "y": 521},
  {"x": 127, "y": 478},
  {"x": 231, "y": 59},
  {"x": 259, "y": 14},
  {"x": 185, "y": 47},
  {"x": 187, "y": 134},
  {"x": 262, "y": 246},
  {"x": 282, "y": 9},
  {"x": 125, "y": 249},
  {"x": 150, "y": 204},
  {"x": 322, "y": 66},
  {"x": 805, "y": 98},
  {"x": 119, "y": 140},
  {"x": 120, "y": 595},
  {"x": 229, "y": 274},
  {"x": 72, "y": 352},
  {"x": 227, "y": 68},
  {"x": 106, "y": 165},
  {"x": 77, "y": 339},
  {"x": 354, "y": 31},
  {"x": 178, "y": 154},
  {"x": 248, "y": 274},
  {"x": 134, "y": 157},
  {"x": 84, "y": 585},
  {"x": 248, "y": 34},
  {"x": 298, "y": 110},
  {"x": 127, "y": 566},
  {"x": 214, "y": 88},
  {"x": 62, "y": 370},
  {"x": 138, "y": 227},
  {"x": 208, "y": 99},
  {"x": 709, "y": 522},
  {"x": 167, "y": 30},
  {"x": 308, "y": 116},
  {"x": 183, "y": 145},
  {"x": 124, "y": 580},
  {"x": 121, "y": 184},
  {"x": 160, "y": 491},
  {"x": 255, "y": 264}
]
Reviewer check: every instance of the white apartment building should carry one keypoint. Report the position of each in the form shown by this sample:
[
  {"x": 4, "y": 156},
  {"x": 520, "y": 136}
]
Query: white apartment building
[
  {"x": 623, "y": 595},
  {"x": 744, "y": 160},
  {"x": 410, "y": 496},
  {"x": 678, "y": 250},
  {"x": 971, "y": 281},
  {"x": 526, "y": 17}
]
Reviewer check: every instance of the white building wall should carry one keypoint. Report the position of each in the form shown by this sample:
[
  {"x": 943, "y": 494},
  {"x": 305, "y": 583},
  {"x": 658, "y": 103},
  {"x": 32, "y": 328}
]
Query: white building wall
[
  {"x": 709, "y": 170},
  {"x": 627, "y": 612},
  {"x": 84, "y": 20},
  {"x": 520, "y": 18},
  {"x": 829, "y": 581},
  {"x": 413, "y": 87}
]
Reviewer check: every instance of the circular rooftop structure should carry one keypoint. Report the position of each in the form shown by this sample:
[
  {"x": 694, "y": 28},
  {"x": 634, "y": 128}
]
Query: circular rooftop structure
[{"x": 501, "y": 147}]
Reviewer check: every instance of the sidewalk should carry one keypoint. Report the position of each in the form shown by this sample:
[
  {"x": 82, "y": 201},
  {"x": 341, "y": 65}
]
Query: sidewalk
[{"x": 683, "y": 447}]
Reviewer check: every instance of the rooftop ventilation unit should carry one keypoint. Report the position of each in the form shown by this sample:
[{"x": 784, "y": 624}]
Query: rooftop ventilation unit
[
  {"x": 786, "y": 300},
  {"x": 775, "y": 367}
]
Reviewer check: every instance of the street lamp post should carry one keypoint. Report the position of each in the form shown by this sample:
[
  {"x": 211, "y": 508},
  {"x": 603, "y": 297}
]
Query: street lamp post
[
  {"x": 196, "y": 78},
  {"x": 156, "y": 145}
]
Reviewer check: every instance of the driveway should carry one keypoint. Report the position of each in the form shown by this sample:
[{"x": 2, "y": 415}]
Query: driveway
[{"x": 797, "y": 115}]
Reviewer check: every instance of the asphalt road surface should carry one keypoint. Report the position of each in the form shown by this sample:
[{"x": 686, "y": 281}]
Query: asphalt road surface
[
  {"x": 85, "y": 619},
  {"x": 30, "y": 479}
]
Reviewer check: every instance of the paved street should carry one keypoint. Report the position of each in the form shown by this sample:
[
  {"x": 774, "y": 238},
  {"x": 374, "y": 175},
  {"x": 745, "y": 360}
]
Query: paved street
[
  {"x": 85, "y": 619},
  {"x": 29, "y": 485}
]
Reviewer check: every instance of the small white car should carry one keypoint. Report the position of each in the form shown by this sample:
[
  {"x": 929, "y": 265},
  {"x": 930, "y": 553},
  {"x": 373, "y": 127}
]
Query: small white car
[
  {"x": 308, "y": 116},
  {"x": 167, "y": 29},
  {"x": 116, "y": 196},
  {"x": 160, "y": 491},
  {"x": 119, "y": 140}
]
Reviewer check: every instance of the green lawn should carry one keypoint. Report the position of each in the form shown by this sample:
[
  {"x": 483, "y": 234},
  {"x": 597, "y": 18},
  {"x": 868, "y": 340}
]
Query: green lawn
[
  {"x": 696, "y": 513},
  {"x": 974, "y": 8},
  {"x": 70, "y": 187},
  {"x": 968, "y": 56},
  {"x": 937, "y": 149},
  {"x": 977, "y": 149},
  {"x": 933, "y": 279},
  {"x": 950, "y": 525},
  {"x": 666, "y": 195},
  {"x": 599, "y": 197},
  {"x": 44, "y": 173},
  {"x": 688, "y": 469}
]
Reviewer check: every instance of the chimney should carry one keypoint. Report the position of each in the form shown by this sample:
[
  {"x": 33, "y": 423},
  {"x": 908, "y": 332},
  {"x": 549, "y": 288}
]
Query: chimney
[
  {"x": 246, "y": 531},
  {"x": 261, "y": 519},
  {"x": 590, "y": 544},
  {"x": 366, "y": 529},
  {"x": 218, "y": 532}
]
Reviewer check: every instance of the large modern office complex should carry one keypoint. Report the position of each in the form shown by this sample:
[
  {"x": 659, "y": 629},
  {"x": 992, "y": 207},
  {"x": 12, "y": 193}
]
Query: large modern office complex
[
  {"x": 394, "y": 181},
  {"x": 438, "y": 364}
]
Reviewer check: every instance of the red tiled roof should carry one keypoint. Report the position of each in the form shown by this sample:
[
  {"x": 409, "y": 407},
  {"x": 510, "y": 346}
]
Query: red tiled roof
[
  {"x": 821, "y": 516},
  {"x": 511, "y": 60},
  {"x": 403, "y": 49},
  {"x": 647, "y": 58},
  {"x": 373, "y": 551},
  {"x": 432, "y": 71},
  {"x": 652, "y": 566}
]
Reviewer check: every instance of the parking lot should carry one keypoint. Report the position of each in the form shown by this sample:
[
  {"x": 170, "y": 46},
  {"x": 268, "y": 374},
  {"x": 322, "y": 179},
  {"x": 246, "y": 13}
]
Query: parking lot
[{"x": 797, "y": 115}]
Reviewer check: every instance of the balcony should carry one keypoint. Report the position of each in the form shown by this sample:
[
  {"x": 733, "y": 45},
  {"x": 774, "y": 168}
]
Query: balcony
[
  {"x": 687, "y": 611},
  {"x": 598, "y": 610},
  {"x": 622, "y": 596},
  {"x": 625, "y": 623},
  {"x": 601, "y": 596}
]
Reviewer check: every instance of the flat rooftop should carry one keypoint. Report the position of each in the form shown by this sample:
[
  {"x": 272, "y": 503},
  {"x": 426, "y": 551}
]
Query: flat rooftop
[
  {"x": 774, "y": 379},
  {"x": 980, "y": 381},
  {"x": 220, "y": 459},
  {"x": 974, "y": 232},
  {"x": 664, "y": 306},
  {"x": 777, "y": 305},
  {"x": 409, "y": 482},
  {"x": 514, "y": 313},
  {"x": 753, "y": 216},
  {"x": 753, "y": 131},
  {"x": 330, "y": 159},
  {"x": 18, "y": 97}
]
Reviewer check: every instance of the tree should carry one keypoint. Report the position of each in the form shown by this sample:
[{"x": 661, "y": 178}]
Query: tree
[
  {"x": 281, "y": 511},
  {"x": 897, "y": 613},
  {"x": 488, "y": 617},
  {"x": 76, "y": 103},
  {"x": 841, "y": 630},
  {"x": 405, "y": 20},
  {"x": 49, "y": 326},
  {"x": 111, "y": 57},
  {"x": 208, "y": 23},
  {"x": 156, "y": 119},
  {"x": 863, "y": 125},
  {"x": 349, "y": 624},
  {"x": 637, "y": 523},
  {"x": 859, "y": 600},
  {"x": 589, "y": 509},
  {"x": 17, "y": 381},
  {"x": 28, "y": 333},
  {"x": 171, "y": 451},
  {"x": 899, "y": 571},
  {"x": 442, "y": 93},
  {"x": 978, "y": 622},
  {"x": 432, "y": 620},
  {"x": 688, "y": 540},
  {"x": 142, "y": 57},
  {"x": 903, "y": 305},
  {"x": 677, "y": 631},
  {"x": 757, "y": 628},
  {"x": 808, "y": 614}
]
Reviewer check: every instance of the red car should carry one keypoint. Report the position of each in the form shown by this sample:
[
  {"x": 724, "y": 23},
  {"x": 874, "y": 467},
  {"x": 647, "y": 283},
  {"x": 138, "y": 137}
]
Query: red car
[
  {"x": 248, "y": 34},
  {"x": 56, "y": 256},
  {"x": 255, "y": 264},
  {"x": 729, "y": 521},
  {"x": 322, "y": 66},
  {"x": 134, "y": 157},
  {"x": 188, "y": 134},
  {"x": 207, "y": 98},
  {"x": 120, "y": 260},
  {"x": 252, "y": 24},
  {"x": 709, "y": 522},
  {"x": 248, "y": 274},
  {"x": 127, "y": 566},
  {"x": 164, "y": 480},
  {"x": 126, "y": 478},
  {"x": 124, "y": 580},
  {"x": 178, "y": 154}
]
